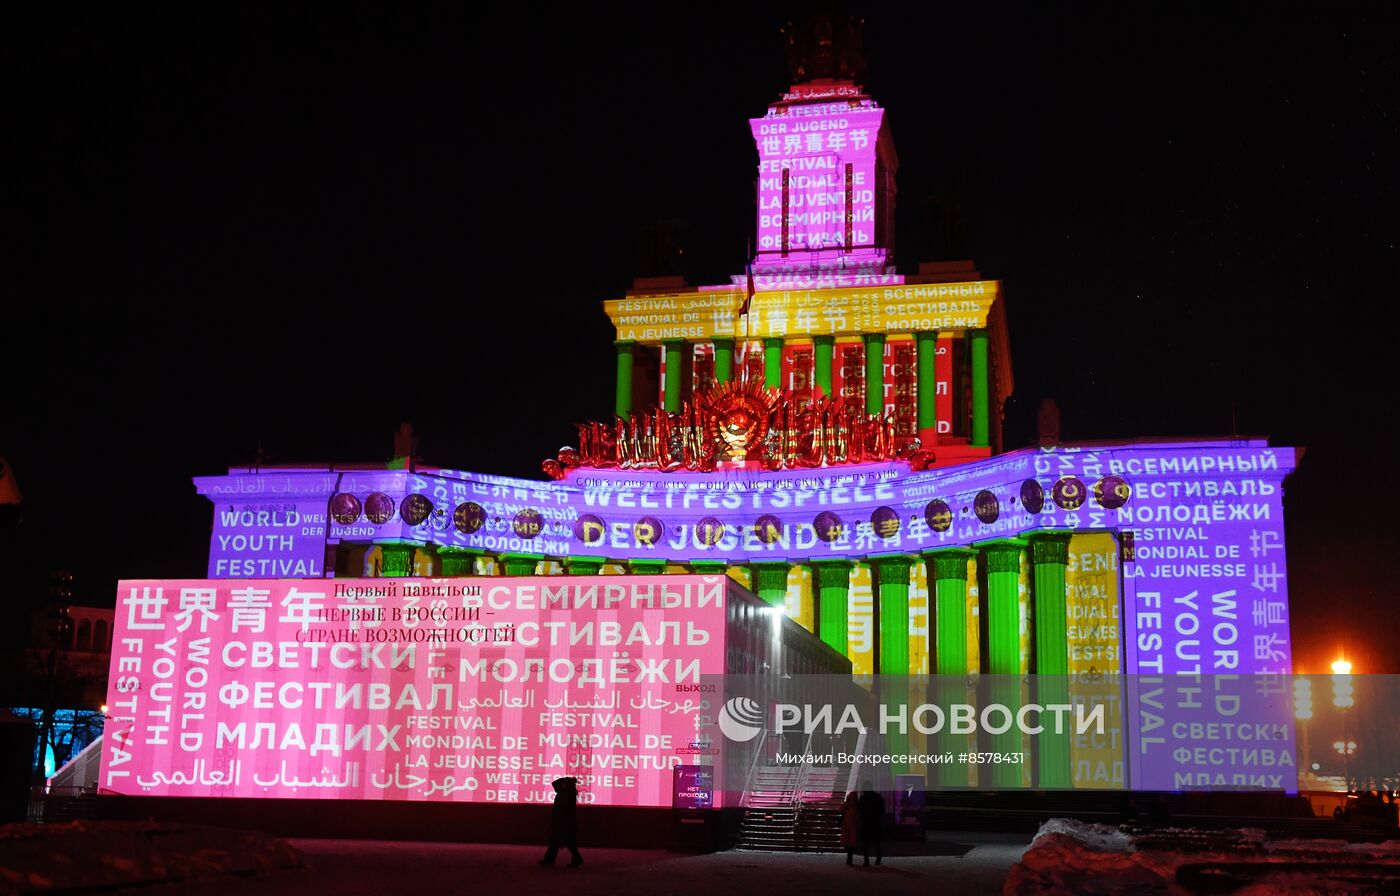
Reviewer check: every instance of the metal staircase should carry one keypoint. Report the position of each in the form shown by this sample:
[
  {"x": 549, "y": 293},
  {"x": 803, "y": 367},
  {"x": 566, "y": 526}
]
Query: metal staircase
[
  {"x": 794, "y": 808},
  {"x": 770, "y": 813}
]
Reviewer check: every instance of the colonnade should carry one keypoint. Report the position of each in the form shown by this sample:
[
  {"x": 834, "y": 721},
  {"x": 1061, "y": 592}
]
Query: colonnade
[
  {"x": 997, "y": 565},
  {"x": 679, "y": 353}
]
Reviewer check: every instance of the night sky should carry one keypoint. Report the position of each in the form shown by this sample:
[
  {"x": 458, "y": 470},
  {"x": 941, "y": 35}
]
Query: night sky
[{"x": 298, "y": 229}]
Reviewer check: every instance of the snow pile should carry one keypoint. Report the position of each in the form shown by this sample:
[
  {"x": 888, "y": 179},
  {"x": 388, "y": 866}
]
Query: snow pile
[
  {"x": 1070, "y": 856},
  {"x": 1093, "y": 836},
  {"x": 1073, "y": 857},
  {"x": 100, "y": 854}
]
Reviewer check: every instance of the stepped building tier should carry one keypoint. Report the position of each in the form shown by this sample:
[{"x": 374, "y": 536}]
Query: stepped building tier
[{"x": 827, "y": 431}]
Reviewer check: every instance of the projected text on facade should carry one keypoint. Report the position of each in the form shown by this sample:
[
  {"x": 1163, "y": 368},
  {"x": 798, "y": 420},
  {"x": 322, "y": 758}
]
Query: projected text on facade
[{"x": 411, "y": 689}]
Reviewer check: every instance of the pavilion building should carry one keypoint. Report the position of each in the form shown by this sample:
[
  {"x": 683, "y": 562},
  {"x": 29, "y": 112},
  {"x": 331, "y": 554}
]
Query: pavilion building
[{"x": 827, "y": 431}]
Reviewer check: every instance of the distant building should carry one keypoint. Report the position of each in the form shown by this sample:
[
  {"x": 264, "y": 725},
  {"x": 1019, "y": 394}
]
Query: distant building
[{"x": 64, "y": 681}]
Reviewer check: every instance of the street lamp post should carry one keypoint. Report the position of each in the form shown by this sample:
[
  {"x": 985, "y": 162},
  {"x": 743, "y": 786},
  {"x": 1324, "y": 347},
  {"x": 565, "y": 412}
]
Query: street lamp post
[
  {"x": 1302, "y": 711},
  {"x": 1342, "y": 699}
]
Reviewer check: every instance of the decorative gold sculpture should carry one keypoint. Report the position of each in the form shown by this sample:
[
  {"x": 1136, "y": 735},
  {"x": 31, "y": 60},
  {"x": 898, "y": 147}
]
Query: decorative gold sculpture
[
  {"x": 741, "y": 424},
  {"x": 738, "y": 415}
]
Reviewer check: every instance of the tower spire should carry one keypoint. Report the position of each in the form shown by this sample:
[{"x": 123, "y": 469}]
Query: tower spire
[
  {"x": 827, "y": 47},
  {"x": 826, "y": 164}
]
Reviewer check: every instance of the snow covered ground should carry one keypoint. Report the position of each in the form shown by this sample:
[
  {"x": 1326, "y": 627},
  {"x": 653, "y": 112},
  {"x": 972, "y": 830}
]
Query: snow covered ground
[
  {"x": 1075, "y": 857},
  {"x": 101, "y": 854}
]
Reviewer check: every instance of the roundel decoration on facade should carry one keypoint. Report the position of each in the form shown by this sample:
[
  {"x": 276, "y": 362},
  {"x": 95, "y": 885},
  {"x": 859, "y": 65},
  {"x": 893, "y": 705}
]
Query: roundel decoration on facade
[
  {"x": 415, "y": 509},
  {"x": 1032, "y": 496},
  {"x": 708, "y": 532},
  {"x": 528, "y": 523},
  {"x": 986, "y": 506},
  {"x": 345, "y": 508},
  {"x": 379, "y": 508},
  {"x": 768, "y": 528},
  {"x": 468, "y": 517},
  {"x": 589, "y": 529},
  {"x": 828, "y": 526},
  {"x": 885, "y": 522},
  {"x": 1069, "y": 493},
  {"x": 938, "y": 515},
  {"x": 1112, "y": 492},
  {"x": 647, "y": 531}
]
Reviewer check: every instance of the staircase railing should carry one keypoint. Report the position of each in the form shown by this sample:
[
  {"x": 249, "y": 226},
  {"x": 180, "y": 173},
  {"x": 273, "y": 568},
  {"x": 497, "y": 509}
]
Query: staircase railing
[
  {"x": 753, "y": 767},
  {"x": 804, "y": 771},
  {"x": 854, "y": 778}
]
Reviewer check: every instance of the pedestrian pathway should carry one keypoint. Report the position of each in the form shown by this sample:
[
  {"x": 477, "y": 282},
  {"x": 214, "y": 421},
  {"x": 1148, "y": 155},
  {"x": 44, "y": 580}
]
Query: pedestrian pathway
[{"x": 964, "y": 864}]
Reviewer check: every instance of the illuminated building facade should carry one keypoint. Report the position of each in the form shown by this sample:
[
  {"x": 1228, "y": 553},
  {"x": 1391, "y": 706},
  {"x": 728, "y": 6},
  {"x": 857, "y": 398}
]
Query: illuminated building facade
[{"x": 826, "y": 431}]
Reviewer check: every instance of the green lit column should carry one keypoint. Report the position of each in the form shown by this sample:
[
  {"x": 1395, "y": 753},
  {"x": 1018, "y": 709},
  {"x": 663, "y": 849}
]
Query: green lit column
[
  {"x": 823, "y": 352},
  {"x": 875, "y": 373},
  {"x": 926, "y": 344},
  {"x": 724, "y": 360},
  {"x": 1002, "y": 606},
  {"x": 947, "y": 573},
  {"x": 889, "y": 578},
  {"x": 396, "y": 560},
  {"x": 770, "y": 581},
  {"x": 1050, "y": 650},
  {"x": 520, "y": 564},
  {"x": 1050, "y": 557},
  {"x": 1003, "y": 566},
  {"x": 831, "y": 587},
  {"x": 647, "y": 567},
  {"x": 981, "y": 389},
  {"x": 625, "y": 357},
  {"x": 457, "y": 563},
  {"x": 708, "y": 567},
  {"x": 674, "y": 374},
  {"x": 773, "y": 363},
  {"x": 584, "y": 566}
]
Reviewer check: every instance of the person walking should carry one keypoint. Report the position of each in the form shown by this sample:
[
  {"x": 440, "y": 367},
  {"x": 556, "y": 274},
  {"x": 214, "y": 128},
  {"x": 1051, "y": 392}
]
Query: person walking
[
  {"x": 871, "y": 807},
  {"x": 563, "y": 822},
  {"x": 850, "y": 826}
]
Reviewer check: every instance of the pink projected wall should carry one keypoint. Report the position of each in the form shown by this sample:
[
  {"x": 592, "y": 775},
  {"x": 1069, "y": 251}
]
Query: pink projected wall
[
  {"x": 411, "y": 689},
  {"x": 817, "y": 176}
]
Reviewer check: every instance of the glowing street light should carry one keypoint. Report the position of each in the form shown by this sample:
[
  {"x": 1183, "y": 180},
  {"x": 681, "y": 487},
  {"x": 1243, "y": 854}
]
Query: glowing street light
[
  {"x": 1302, "y": 698},
  {"x": 1341, "y": 685},
  {"x": 1343, "y": 699}
]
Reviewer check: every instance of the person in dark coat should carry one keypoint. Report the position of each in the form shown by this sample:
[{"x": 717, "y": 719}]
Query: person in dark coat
[
  {"x": 563, "y": 822},
  {"x": 850, "y": 826},
  {"x": 871, "y": 807}
]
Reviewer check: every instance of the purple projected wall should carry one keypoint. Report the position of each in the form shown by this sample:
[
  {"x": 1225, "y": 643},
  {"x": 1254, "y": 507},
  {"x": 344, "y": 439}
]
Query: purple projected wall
[
  {"x": 1205, "y": 592},
  {"x": 274, "y": 526}
]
